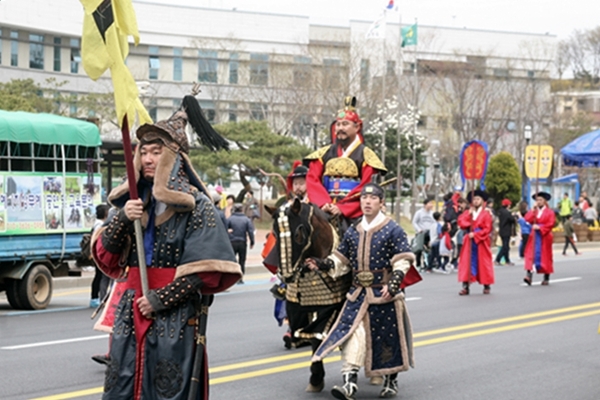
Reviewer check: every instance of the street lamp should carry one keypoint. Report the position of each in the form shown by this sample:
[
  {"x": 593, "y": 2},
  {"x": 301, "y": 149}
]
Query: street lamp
[{"x": 527, "y": 134}]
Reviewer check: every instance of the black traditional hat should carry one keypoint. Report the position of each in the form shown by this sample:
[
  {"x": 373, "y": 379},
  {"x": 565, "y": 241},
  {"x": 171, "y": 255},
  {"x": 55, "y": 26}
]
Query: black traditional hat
[
  {"x": 373, "y": 189},
  {"x": 299, "y": 171},
  {"x": 480, "y": 193},
  {"x": 545, "y": 195}
]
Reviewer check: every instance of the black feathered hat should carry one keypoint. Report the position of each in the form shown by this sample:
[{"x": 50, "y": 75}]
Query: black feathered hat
[{"x": 479, "y": 193}]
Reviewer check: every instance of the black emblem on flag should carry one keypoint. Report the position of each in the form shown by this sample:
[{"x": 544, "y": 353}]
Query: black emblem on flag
[{"x": 104, "y": 17}]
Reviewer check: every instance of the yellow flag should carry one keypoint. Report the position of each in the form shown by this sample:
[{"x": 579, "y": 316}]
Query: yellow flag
[
  {"x": 106, "y": 27},
  {"x": 538, "y": 161}
]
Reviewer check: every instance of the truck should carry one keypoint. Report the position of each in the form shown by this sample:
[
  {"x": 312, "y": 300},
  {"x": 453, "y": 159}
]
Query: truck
[{"x": 50, "y": 184}]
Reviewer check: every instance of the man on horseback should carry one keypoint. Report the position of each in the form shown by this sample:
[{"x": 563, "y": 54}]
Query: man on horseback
[
  {"x": 338, "y": 172},
  {"x": 373, "y": 329},
  {"x": 312, "y": 298}
]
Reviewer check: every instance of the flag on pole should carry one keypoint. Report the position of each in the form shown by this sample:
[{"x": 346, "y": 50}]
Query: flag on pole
[
  {"x": 377, "y": 28},
  {"x": 107, "y": 24},
  {"x": 390, "y": 5},
  {"x": 409, "y": 35}
]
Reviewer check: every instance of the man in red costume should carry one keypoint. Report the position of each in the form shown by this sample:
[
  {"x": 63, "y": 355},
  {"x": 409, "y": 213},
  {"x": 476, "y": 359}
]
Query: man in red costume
[
  {"x": 338, "y": 172},
  {"x": 538, "y": 252},
  {"x": 476, "y": 255}
]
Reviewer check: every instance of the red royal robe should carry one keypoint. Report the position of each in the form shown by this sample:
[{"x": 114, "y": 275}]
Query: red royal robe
[
  {"x": 349, "y": 205},
  {"x": 479, "y": 268},
  {"x": 538, "y": 251}
]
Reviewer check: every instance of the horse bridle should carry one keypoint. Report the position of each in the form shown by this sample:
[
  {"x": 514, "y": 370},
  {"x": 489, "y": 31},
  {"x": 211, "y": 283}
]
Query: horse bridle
[{"x": 285, "y": 241}]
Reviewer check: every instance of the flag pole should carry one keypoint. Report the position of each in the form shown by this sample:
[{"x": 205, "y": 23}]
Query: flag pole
[
  {"x": 399, "y": 111},
  {"x": 414, "y": 138},
  {"x": 133, "y": 195}
]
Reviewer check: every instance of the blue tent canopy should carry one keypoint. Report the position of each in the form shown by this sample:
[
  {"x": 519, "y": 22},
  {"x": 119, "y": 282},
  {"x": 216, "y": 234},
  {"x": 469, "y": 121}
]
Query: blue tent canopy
[{"x": 583, "y": 151}]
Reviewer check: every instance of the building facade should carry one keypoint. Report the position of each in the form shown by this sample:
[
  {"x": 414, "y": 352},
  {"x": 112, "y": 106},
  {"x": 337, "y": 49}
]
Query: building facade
[{"x": 283, "y": 69}]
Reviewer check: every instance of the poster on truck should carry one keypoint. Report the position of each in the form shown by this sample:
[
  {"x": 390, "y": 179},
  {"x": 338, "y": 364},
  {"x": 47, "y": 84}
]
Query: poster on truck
[{"x": 46, "y": 202}]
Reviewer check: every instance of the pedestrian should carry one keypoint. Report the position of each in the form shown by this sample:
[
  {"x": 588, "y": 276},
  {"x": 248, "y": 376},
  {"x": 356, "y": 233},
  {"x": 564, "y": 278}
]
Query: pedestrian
[
  {"x": 450, "y": 212},
  {"x": 100, "y": 282},
  {"x": 445, "y": 249},
  {"x": 374, "y": 328},
  {"x": 154, "y": 346},
  {"x": 250, "y": 206},
  {"x": 475, "y": 263},
  {"x": 569, "y": 235},
  {"x": 565, "y": 207},
  {"x": 506, "y": 224},
  {"x": 240, "y": 230},
  {"x": 524, "y": 228},
  {"x": 216, "y": 198},
  {"x": 425, "y": 228},
  {"x": 538, "y": 253},
  {"x": 578, "y": 217},
  {"x": 229, "y": 201},
  {"x": 591, "y": 216},
  {"x": 433, "y": 261}
]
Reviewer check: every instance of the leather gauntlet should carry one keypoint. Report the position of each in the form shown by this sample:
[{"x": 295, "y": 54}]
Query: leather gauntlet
[
  {"x": 174, "y": 293},
  {"x": 324, "y": 264},
  {"x": 395, "y": 282}
]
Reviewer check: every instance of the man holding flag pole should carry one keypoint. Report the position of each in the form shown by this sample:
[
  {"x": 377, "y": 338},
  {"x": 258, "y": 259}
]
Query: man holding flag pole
[{"x": 168, "y": 244}]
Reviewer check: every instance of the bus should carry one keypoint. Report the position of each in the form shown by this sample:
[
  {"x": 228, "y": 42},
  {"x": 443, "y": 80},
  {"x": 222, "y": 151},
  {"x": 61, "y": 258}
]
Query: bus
[{"x": 50, "y": 184}]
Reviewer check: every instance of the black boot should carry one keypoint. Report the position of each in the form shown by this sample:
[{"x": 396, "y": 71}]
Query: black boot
[
  {"x": 317, "y": 377},
  {"x": 546, "y": 280},
  {"x": 390, "y": 386},
  {"x": 350, "y": 387},
  {"x": 528, "y": 278},
  {"x": 465, "y": 289}
]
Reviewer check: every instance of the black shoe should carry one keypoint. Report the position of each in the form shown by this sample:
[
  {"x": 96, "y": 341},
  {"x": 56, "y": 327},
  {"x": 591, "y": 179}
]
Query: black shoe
[
  {"x": 349, "y": 389},
  {"x": 390, "y": 387},
  {"x": 103, "y": 359}
]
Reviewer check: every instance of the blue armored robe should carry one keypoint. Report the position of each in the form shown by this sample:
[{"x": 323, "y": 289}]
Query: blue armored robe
[{"x": 373, "y": 255}]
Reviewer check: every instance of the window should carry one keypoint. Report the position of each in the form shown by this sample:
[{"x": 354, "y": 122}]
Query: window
[
  {"x": 364, "y": 74},
  {"x": 232, "y": 112},
  {"x": 14, "y": 48},
  {"x": 177, "y": 64},
  {"x": 73, "y": 104},
  {"x": 154, "y": 62},
  {"x": 153, "y": 109},
  {"x": 208, "y": 108},
  {"x": 258, "y": 111},
  {"x": 390, "y": 68},
  {"x": 57, "y": 50},
  {"x": 511, "y": 126},
  {"x": 568, "y": 109},
  {"x": 75, "y": 56},
  {"x": 501, "y": 72},
  {"x": 259, "y": 69},
  {"x": 302, "y": 71},
  {"x": 234, "y": 66},
  {"x": 207, "y": 66},
  {"x": 176, "y": 105},
  {"x": 331, "y": 72},
  {"x": 36, "y": 51},
  {"x": 531, "y": 74}
]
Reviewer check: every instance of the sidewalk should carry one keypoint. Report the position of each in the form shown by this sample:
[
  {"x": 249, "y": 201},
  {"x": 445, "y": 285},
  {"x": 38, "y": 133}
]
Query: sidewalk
[{"x": 254, "y": 264}]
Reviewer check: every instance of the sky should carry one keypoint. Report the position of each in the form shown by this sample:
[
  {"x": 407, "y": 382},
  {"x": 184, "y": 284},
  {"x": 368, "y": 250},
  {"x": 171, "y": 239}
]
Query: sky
[{"x": 559, "y": 18}]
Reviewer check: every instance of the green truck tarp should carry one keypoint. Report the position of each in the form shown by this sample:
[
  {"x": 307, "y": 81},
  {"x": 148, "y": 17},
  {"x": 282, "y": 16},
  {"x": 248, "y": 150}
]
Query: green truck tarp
[{"x": 24, "y": 127}]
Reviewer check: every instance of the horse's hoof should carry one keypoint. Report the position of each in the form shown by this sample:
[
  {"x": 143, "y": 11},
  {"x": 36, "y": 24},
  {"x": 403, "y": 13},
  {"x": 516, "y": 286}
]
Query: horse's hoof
[
  {"x": 376, "y": 380},
  {"x": 315, "y": 389}
]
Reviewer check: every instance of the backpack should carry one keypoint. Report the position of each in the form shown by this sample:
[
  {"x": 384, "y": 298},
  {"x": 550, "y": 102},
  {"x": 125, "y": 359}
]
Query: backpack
[{"x": 86, "y": 245}]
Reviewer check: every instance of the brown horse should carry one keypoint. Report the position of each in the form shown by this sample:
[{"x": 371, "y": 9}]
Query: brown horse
[{"x": 313, "y": 299}]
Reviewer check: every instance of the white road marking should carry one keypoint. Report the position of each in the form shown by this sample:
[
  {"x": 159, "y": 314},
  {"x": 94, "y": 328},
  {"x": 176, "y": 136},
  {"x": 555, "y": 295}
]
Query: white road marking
[
  {"x": 40, "y": 344},
  {"x": 412, "y": 298},
  {"x": 574, "y": 278}
]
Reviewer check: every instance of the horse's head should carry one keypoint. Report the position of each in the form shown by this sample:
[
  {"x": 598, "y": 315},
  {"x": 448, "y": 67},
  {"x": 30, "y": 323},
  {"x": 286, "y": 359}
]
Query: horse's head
[{"x": 303, "y": 231}]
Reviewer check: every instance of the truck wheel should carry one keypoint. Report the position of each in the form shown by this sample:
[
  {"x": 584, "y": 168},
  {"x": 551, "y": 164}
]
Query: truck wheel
[
  {"x": 36, "y": 288},
  {"x": 12, "y": 293}
]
